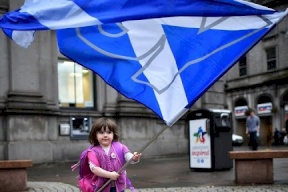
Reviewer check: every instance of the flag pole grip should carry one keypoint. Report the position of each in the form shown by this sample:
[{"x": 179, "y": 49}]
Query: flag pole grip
[{"x": 140, "y": 151}]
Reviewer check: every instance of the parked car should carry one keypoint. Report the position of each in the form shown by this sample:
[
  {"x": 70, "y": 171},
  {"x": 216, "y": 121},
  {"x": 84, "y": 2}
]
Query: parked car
[{"x": 237, "y": 140}]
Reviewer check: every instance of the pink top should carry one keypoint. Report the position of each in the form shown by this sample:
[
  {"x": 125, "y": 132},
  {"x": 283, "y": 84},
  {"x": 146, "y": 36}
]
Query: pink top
[{"x": 109, "y": 162}]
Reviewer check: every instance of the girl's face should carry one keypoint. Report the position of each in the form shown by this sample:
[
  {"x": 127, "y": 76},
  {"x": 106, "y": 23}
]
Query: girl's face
[{"x": 105, "y": 137}]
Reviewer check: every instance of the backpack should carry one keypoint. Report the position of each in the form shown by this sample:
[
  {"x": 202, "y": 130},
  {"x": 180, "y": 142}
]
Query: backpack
[{"x": 86, "y": 177}]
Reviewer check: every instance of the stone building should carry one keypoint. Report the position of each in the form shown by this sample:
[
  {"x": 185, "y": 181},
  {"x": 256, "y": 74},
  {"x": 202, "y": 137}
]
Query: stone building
[
  {"x": 259, "y": 81},
  {"x": 48, "y": 103}
]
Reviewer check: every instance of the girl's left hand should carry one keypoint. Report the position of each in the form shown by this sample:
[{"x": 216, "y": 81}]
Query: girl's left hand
[{"x": 136, "y": 156}]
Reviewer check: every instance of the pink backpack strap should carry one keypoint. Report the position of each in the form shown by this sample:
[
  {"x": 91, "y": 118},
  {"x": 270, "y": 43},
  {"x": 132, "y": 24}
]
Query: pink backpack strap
[
  {"x": 73, "y": 167},
  {"x": 92, "y": 157},
  {"x": 118, "y": 148}
]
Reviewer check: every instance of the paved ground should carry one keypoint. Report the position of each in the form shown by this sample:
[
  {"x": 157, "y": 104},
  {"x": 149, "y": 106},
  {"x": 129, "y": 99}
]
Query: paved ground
[
  {"x": 60, "y": 187},
  {"x": 158, "y": 174}
]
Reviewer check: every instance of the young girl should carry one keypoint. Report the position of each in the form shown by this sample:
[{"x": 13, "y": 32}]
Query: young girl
[{"x": 103, "y": 159}]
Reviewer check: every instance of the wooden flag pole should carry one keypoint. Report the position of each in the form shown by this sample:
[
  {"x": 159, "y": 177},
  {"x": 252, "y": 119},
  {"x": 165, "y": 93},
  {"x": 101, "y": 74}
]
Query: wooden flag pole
[{"x": 140, "y": 151}]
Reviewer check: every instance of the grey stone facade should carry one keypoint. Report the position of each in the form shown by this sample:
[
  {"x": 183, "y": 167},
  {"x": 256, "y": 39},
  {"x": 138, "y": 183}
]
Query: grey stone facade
[
  {"x": 261, "y": 85},
  {"x": 30, "y": 114}
]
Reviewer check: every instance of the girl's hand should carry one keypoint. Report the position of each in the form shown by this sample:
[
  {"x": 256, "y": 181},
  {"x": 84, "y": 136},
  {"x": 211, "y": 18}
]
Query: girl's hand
[
  {"x": 114, "y": 176},
  {"x": 136, "y": 156}
]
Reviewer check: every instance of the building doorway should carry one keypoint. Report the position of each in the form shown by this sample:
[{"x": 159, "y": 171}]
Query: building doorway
[
  {"x": 266, "y": 131},
  {"x": 264, "y": 111},
  {"x": 240, "y": 109}
]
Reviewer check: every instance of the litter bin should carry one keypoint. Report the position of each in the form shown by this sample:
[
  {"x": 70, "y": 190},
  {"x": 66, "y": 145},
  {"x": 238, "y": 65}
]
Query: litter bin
[{"x": 210, "y": 139}]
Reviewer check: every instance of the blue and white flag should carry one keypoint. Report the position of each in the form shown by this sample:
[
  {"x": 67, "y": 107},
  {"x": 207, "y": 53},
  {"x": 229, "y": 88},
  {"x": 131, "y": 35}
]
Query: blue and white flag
[
  {"x": 61, "y": 14},
  {"x": 160, "y": 53},
  {"x": 165, "y": 63}
]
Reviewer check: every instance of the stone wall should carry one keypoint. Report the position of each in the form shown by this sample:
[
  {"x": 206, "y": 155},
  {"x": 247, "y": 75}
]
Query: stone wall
[{"x": 30, "y": 114}]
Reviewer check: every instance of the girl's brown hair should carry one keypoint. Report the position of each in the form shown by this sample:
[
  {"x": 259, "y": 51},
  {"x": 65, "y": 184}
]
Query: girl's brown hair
[{"x": 105, "y": 123}]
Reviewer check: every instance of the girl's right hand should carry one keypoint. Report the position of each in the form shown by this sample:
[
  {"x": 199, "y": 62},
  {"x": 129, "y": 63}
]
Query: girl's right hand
[{"x": 114, "y": 176}]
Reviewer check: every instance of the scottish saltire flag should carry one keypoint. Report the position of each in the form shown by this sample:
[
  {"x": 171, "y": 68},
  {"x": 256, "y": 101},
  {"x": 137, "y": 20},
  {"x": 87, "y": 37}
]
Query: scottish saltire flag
[
  {"x": 165, "y": 63},
  {"x": 164, "y": 54},
  {"x": 60, "y": 14}
]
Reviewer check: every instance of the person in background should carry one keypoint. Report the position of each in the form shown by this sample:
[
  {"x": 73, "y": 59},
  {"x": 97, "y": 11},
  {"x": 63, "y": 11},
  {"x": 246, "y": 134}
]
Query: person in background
[
  {"x": 252, "y": 128},
  {"x": 282, "y": 135},
  {"x": 286, "y": 126},
  {"x": 277, "y": 136}
]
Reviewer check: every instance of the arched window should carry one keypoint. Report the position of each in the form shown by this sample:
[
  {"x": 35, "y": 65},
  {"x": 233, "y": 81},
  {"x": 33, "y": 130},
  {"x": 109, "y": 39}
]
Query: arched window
[
  {"x": 285, "y": 98},
  {"x": 264, "y": 104},
  {"x": 240, "y": 107},
  {"x": 241, "y": 102},
  {"x": 264, "y": 99}
]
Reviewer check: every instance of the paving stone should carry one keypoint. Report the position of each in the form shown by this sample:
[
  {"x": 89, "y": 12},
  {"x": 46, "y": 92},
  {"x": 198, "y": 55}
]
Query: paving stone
[
  {"x": 62, "y": 187},
  {"x": 50, "y": 187}
]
